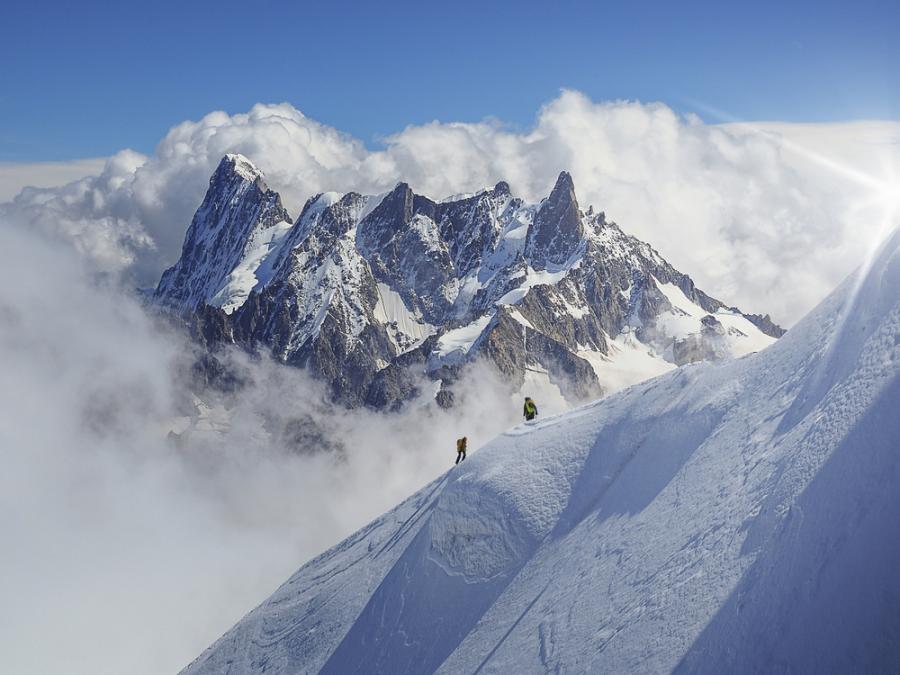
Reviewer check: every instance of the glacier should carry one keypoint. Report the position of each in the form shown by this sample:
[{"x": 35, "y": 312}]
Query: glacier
[{"x": 724, "y": 517}]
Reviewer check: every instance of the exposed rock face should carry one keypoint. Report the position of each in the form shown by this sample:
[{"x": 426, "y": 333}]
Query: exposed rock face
[
  {"x": 558, "y": 229},
  {"x": 764, "y": 323},
  {"x": 239, "y": 213},
  {"x": 376, "y": 295},
  {"x": 402, "y": 241}
]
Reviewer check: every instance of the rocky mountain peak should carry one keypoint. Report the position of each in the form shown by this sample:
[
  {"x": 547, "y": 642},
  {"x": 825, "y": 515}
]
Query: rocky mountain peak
[
  {"x": 564, "y": 184},
  {"x": 398, "y": 202},
  {"x": 375, "y": 293},
  {"x": 239, "y": 166},
  {"x": 557, "y": 229},
  {"x": 239, "y": 216}
]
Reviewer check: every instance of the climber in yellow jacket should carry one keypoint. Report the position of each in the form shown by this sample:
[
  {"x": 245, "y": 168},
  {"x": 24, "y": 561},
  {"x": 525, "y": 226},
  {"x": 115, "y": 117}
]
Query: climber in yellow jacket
[
  {"x": 530, "y": 409},
  {"x": 461, "y": 449}
]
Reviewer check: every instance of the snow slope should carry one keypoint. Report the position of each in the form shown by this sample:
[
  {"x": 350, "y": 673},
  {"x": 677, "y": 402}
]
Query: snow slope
[
  {"x": 731, "y": 517},
  {"x": 407, "y": 329},
  {"x": 740, "y": 337}
]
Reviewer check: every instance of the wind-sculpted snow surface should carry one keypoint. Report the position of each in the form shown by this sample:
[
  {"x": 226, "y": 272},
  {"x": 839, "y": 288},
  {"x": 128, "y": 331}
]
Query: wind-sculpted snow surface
[{"x": 733, "y": 517}]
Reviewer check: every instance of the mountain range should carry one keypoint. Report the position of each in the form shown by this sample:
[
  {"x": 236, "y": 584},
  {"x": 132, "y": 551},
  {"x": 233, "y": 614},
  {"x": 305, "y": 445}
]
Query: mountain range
[{"x": 384, "y": 296}]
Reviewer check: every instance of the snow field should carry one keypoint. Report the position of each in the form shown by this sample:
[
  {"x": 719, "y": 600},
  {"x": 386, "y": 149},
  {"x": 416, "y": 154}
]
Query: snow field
[{"x": 733, "y": 517}]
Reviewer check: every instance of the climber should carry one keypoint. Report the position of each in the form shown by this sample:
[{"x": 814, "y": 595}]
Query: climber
[
  {"x": 530, "y": 409},
  {"x": 461, "y": 449}
]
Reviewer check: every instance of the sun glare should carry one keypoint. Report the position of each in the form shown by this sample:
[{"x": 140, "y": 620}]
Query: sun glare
[
  {"x": 882, "y": 203},
  {"x": 890, "y": 200}
]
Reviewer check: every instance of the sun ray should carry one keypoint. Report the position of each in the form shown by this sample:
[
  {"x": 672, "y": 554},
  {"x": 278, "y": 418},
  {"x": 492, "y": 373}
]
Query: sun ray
[{"x": 880, "y": 208}]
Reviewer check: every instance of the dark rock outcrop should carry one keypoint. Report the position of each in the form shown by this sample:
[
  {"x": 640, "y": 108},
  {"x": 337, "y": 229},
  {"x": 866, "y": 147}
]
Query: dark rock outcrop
[{"x": 557, "y": 230}]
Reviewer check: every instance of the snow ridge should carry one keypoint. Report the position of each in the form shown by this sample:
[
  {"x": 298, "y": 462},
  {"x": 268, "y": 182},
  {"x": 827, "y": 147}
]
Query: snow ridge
[{"x": 725, "y": 517}]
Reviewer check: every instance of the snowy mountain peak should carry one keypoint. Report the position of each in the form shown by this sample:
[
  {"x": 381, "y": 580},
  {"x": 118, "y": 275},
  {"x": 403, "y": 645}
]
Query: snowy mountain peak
[
  {"x": 315, "y": 206},
  {"x": 238, "y": 225},
  {"x": 401, "y": 193},
  {"x": 376, "y": 293},
  {"x": 239, "y": 165}
]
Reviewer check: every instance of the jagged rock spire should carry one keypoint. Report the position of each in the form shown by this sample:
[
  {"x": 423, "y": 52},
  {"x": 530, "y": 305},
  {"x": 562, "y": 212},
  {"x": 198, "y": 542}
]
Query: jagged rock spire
[
  {"x": 557, "y": 229},
  {"x": 238, "y": 203}
]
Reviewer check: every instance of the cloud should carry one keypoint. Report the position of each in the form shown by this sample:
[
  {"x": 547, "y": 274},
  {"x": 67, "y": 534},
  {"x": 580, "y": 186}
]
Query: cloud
[
  {"x": 743, "y": 209},
  {"x": 16, "y": 176},
  {"x": 130, "y": 551}
]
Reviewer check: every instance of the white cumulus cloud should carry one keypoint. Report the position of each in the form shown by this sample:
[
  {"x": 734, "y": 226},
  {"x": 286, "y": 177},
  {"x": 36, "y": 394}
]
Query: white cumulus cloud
[
  {"x": 129, "y": 551},
  {"x": 747, "y": 210},
  {"x": 15, "y": 176}
]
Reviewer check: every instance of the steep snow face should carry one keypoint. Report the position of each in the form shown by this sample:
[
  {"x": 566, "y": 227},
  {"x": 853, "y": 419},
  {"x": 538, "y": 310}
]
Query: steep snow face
[
  {"x": 254, "y": 268},
  {"x": 454, "y": 345},
  {"x": 407, "y": 329},
  {"x": 531, "y": 278},
  {"x": 730, "y": 517}
]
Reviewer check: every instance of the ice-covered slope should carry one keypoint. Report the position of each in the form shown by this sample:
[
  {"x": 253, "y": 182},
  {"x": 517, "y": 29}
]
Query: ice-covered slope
[{"x": 732, "y": 517}]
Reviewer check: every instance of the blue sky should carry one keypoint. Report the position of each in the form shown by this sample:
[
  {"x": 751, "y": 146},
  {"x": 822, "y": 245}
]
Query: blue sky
[{"x": 87, "y": 79}]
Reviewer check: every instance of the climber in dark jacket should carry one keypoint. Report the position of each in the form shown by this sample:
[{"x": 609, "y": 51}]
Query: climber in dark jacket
[{"x": 530, "y": 409}]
